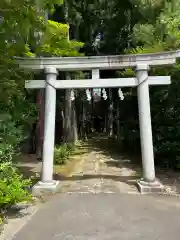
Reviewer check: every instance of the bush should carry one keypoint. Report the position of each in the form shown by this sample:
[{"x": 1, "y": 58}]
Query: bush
[
  {"x": 70, "y": 147},
  {"x": 10, "y": 137},
  {"x": 10, "y": 132},
  {"x": 13, "y": 188},
  {"x": 63, "y": 152},
  {"x": 6, "y": 152}
]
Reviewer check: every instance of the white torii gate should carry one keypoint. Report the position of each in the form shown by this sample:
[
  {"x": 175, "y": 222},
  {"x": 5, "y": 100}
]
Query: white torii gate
[{"x": 141, "y": 62}]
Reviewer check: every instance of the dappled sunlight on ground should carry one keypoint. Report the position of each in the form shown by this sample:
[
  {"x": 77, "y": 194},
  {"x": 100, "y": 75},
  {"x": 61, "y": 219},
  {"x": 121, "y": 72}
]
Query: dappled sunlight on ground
[{"x": 100, "y": 162}]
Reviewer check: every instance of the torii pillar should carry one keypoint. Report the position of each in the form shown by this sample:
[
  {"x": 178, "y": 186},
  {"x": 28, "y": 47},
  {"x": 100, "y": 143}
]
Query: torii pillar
[
  {"x": 148, "y": 183},
  {"x": 47, "y": 183}
]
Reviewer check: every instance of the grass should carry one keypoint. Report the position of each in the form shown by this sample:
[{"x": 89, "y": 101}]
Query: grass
[
  {"x": 31, "y": 167},
  {"x": 75, "y": 157}
]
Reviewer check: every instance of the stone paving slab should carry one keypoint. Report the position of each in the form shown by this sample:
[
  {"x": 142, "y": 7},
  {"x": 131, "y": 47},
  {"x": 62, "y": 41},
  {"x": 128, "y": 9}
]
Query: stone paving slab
[{"x": 105, "y": 216}]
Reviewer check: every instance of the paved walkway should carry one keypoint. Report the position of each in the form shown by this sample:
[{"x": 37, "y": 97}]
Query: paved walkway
[
  {"x": 105, "y": 216},
  {"x": 100, "y": 201}
]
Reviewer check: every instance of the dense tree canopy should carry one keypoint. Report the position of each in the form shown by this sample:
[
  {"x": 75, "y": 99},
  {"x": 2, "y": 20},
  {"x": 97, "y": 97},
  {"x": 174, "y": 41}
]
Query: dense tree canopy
[{"x": 162, "y": 34}]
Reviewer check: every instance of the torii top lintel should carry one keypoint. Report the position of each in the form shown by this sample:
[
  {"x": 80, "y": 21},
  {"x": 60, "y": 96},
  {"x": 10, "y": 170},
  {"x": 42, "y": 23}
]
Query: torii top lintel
[{"x": 99, "y": 62}]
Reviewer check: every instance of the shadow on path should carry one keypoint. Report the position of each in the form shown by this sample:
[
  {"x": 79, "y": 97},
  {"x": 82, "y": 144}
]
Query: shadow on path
[
  {"x": 113, "y": 149},
  {"x": 116, "y": 158},
  {"x": 130, "y": 180}
]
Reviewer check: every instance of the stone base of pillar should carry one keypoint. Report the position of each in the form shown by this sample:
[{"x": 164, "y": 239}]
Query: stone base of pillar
[
  {"x": 43, "y": 188},
  {"x": 145, "y": 187}
]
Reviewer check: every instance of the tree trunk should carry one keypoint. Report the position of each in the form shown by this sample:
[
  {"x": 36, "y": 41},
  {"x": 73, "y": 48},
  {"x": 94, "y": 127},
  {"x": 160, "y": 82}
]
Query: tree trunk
[
  {"x": 70, "y": 123},
  {"x": 105, "y": 124},
  {"x": 84, "y": 122},
  {"x": 117, "y": 121},
  {"x": 63, "y": 125},
  {"x": 111, "y": 118},
  {"x": 68, "y": 114},
  {"x": 40, "y": 124},
  {"x": 74, "y": 124}
]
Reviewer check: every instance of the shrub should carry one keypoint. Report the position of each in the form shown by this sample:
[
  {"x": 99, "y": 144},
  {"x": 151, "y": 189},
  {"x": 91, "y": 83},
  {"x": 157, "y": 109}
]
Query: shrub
[
  {"x": 6, "y": 152},
  {"x": 10, "y": 137},
  {"x": 10, "y": 133},
  {"x": 13, "y": 188},
  {"x": 63, "y": 152},
  {"x": 70, "y": 147}
]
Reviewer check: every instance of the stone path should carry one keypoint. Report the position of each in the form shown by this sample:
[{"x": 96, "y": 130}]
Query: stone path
[
  {"x": 102, "y": 171},
  {"x": 98, "y": 174}
]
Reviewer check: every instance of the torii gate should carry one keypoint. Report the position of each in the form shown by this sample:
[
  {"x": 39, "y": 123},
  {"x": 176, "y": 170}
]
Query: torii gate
[{"x": 141, "y": 62}]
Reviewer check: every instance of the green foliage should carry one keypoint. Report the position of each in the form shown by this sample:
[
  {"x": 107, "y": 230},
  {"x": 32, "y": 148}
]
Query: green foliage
[
  {"x": 10, "y": 136},
  {"x": 55, "y": 41},
  {"x": 13, "y": 188},
  {"x": 127, "y": 73},
  {"x": 19, "y": 21},
  {"x": 63, "y": 152},
  {"x": 109, "y": 18},
  {"x": 160, "y": 34},
  {"x": 6, "y": 152},
  {"x": 24, "y": 32},
  {"x": 10, "y": 133},
  {"x": 163, "y": 31},
  {"x": 149, "y": 9}
]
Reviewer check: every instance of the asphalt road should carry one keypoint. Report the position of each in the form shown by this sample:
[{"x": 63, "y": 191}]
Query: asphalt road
[{"x": 105, "y": 216}]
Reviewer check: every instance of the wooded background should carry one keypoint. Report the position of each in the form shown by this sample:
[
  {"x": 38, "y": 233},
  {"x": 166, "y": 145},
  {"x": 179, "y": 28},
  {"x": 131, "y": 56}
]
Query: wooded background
[{"x": 88, "y": 27}]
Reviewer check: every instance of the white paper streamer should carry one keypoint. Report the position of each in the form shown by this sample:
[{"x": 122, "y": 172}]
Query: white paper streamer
[
  {"x": 120, "y": 93},
  {"x": 72, "y": 95},
  {"x": 104, "y": 94},
  {"x": 88, "y": 94}
]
